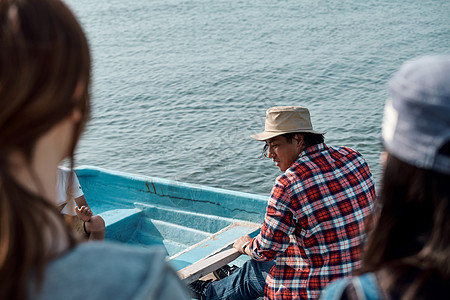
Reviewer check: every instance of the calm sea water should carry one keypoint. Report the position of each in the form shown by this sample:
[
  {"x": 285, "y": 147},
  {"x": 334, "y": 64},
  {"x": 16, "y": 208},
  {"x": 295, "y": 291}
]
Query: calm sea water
[{"x": 179, "y": 85}]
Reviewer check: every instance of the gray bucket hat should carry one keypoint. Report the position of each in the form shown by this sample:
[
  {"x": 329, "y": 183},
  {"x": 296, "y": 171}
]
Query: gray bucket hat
[
  {"x": 416, "y": 122},
  {"x": 285, "y": 119}
]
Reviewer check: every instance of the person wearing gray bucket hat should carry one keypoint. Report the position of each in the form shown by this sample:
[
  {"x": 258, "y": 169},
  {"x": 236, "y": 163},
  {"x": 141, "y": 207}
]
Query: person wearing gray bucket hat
[
  {"x": 417, "y": 114},
  {"x": 407, "y": 255},
  {"x": 315, "y": 218}
]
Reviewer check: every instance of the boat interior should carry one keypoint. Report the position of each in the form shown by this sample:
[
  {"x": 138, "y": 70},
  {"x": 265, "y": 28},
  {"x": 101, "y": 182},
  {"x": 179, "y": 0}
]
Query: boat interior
[{"x": 189, "y": 221}]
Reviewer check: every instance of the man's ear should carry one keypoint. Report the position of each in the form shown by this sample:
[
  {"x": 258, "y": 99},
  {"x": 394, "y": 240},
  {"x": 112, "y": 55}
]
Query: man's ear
[{"x": 300, "y": 141}]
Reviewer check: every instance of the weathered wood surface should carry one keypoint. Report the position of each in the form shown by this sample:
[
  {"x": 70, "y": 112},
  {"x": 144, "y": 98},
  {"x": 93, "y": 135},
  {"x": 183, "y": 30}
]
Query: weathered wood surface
[{"x": 218, "y": 257}]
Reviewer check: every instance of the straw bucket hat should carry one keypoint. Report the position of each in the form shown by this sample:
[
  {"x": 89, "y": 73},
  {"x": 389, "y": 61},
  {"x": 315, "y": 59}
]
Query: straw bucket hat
[{"x": 285, "y": 119}]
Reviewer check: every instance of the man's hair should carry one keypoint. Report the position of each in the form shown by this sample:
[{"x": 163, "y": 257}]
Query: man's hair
[{"x": 310, "y": 139}]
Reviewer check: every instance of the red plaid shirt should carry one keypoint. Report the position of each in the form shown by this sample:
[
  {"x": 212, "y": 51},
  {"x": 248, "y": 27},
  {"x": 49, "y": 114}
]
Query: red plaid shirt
[{"x": 314, "y": 223}]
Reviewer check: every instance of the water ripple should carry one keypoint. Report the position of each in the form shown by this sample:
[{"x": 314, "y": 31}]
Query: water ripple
[{"x": 180, "y": 85}]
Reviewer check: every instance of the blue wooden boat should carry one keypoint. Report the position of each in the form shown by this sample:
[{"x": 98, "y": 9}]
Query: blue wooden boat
[{"x": 192, "y": 222}]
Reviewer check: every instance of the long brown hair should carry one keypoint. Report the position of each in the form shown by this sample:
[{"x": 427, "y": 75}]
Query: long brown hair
[
  {"x": 412, "y": 235},
  {"x": 44, "y": 58}
]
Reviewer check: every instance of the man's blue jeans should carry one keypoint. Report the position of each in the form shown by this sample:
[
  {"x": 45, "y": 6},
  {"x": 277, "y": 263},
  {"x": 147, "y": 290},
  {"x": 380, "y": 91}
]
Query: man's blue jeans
[{"x": 246, "y": 283}]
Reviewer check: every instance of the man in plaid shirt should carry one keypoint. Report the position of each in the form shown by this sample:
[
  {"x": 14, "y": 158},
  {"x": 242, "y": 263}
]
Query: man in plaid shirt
[{"x": 314, "y": 225}]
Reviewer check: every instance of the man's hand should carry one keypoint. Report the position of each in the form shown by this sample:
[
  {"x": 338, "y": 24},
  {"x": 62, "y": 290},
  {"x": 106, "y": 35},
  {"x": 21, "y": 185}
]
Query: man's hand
[
  {"x": 84, "y": 213},
  {"x": 240, "y": 242}
]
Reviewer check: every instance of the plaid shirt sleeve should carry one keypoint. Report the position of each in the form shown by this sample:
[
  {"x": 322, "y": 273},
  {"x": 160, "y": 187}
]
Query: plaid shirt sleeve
[{"x": 277, "y": 226}]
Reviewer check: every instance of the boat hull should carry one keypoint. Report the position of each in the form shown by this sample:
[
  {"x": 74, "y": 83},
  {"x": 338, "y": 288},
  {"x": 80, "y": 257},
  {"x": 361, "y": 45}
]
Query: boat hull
[{"x": 151, "y": 211}]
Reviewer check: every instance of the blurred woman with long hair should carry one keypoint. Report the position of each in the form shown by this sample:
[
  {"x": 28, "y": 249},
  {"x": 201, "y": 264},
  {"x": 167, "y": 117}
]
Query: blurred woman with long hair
[
  {"x": 408, "y": 252},
  {"x": 45, "y": 75}
]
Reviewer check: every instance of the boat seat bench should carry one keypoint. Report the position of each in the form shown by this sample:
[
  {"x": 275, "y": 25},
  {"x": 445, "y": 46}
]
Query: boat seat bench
[{"x": 211, "y": 253}]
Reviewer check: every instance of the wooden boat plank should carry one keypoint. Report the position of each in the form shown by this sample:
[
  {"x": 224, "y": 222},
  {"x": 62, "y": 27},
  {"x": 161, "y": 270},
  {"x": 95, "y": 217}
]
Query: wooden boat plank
[
  {"x": 213, "y": 261},
  {"x": 212, "y": 244},
  {"x": 207, "y": 265}
]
